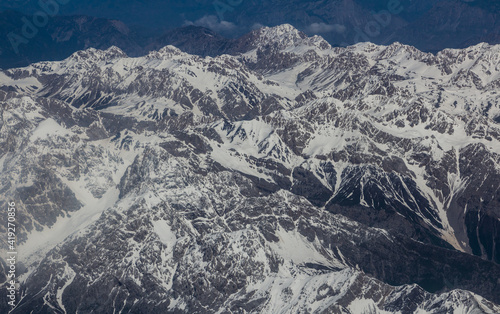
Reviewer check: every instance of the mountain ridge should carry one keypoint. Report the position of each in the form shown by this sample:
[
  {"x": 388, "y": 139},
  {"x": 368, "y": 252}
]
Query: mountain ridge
[{"x": 240, "y": 182}]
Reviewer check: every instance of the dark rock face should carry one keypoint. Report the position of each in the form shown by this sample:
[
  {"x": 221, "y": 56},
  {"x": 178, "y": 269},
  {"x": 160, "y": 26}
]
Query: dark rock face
[
  {"x": 483, "y": 234},
  {"x": 194, "y": 40},
  {"x": 306, "y": 184},
  {"x": 178, "y": 184}
]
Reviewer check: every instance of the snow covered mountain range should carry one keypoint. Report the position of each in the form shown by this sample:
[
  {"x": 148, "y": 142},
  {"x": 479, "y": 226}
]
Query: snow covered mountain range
[{"x": 291, "y": 177}]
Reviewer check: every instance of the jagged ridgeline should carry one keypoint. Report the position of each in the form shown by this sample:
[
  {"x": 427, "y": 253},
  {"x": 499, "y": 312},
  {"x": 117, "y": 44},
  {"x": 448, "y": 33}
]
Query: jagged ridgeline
[{"x": 286, "y": 177}]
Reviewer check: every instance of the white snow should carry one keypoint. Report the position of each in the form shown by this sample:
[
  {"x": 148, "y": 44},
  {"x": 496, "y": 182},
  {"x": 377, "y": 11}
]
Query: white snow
[
  {"x": 164, "y": 232},
  {"x": 294, "y": 247},
  {"x": 47, "y": 128},
  {"x": 25, "y": 84},
  {"x": 366, "y": 306}
]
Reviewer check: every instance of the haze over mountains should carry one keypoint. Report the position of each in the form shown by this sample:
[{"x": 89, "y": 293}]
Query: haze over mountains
[
  {"x": 286, "y": 176},
  {"x": 427, "y": 25}
]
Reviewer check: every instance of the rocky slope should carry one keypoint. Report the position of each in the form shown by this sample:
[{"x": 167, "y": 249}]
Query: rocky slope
[{"x": 290, "y": 177}]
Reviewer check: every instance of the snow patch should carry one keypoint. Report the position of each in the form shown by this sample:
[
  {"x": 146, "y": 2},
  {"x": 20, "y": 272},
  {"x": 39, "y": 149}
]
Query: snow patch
[
  {"x": 48, "y": 128},
  {"x": 164, "y": 232}
]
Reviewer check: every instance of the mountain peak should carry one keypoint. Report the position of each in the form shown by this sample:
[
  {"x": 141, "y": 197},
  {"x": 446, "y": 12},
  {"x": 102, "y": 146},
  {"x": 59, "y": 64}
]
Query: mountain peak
[
  {"x": 281, "y": 30},
  {"x": 115, "y": 52},
  {"x": 112, "y": 52},
  {"x": 283, "y": 37},
  {"x": 167, "y": 51}
]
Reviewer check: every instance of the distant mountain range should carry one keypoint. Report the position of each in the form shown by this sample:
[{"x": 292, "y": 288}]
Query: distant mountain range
[
  {"x": 430, "y": 26},
  {"x": 60, "y": 38}
]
